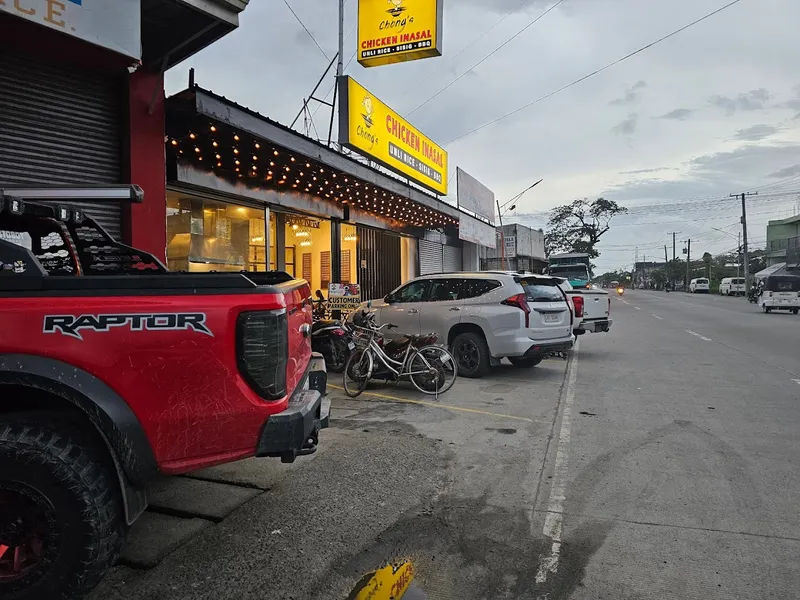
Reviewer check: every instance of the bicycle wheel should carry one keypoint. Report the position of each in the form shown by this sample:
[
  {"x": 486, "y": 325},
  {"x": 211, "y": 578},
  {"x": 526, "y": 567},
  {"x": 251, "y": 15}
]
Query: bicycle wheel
[
  {"x": 433, "y": 370},
  {"x": 357, "y": 372}
]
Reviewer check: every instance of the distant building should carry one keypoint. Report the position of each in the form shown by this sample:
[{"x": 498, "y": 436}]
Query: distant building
[
  {"x": 783, "y": 241},
  {"x": 643, "y": 271},
  {"x": 519, "y": 248}
]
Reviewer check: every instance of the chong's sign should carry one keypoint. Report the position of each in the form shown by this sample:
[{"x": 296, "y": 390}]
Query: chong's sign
[
  {"x": 369, "y": 126},
  {"x": 392, "y": 31}
]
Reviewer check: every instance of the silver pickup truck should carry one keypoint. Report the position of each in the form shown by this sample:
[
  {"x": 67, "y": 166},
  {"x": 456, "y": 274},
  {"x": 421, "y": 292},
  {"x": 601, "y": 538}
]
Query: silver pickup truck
[{"x": 591, "y": 309}]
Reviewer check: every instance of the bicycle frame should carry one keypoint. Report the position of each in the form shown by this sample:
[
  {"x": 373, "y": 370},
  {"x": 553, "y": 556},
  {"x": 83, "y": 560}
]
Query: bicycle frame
[{"x": 378, "y": 352}]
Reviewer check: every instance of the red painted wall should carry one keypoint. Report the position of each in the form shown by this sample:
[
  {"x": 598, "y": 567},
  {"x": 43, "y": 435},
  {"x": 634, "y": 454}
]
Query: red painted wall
[{"x": 145, "y": 224}]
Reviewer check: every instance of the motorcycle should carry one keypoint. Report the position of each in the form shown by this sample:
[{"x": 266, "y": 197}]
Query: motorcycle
[
  {"x": 753, "y": 294},
  {"x": 620, "y": 290},
  {"x": 330, "y": 338}
]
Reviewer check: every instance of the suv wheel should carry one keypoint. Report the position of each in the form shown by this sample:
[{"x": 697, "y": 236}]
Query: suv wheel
[
  {"x": 526, "y": 363},
  {"x": 61, "y": 526},
  {"x": 472, "y": 354}
]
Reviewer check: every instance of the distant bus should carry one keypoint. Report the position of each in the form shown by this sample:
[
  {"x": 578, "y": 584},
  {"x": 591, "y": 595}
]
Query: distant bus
[{"x": 574, "y": 267}]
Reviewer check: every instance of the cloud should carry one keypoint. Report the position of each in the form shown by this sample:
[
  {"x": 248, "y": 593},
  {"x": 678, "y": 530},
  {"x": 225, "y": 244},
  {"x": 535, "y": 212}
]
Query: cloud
[
  {"x": 645, "y": 171},
  {"x": 632, "y": 94},
  {"x": 679, "y": 114},
  {"x": 786, "y": 172},
  {"x": 746, "y": 101},
  {"x": 626, "y": 126},
  {"x": 755, "y": 133}
]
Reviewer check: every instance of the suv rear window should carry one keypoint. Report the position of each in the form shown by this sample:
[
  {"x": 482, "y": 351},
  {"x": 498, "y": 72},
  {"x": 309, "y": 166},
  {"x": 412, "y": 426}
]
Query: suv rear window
[
  {"x": 472, "y": 288},
  {"x": 702, "y": 281},
  {"x": 542, "y": 291}
]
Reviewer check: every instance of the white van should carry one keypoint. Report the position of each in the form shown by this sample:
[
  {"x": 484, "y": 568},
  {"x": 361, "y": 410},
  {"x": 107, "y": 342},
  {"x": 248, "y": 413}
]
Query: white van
[
  {"x": 732, "y": 286},
  {"x": 698, "y": 285}
]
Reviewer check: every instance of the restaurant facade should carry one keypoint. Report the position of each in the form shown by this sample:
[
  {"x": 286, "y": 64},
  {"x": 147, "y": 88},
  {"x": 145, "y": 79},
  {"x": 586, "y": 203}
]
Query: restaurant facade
[{"x": 246, "y": 193}]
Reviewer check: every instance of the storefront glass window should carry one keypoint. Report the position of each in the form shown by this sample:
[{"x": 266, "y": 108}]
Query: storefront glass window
[
  {"x": 205, "y": 235},
  {"x": 349, "y": 266},
  {"x": 308, "y": 250}
]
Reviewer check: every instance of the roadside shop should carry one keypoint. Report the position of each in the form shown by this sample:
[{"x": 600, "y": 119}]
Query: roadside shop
[
  {"x": 82, "y": 99},
  {"x": 247, "y": 193}
]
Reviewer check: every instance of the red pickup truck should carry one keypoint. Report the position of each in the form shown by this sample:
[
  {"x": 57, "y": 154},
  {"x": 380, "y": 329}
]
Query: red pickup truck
[{"x": 113, "y": 371}]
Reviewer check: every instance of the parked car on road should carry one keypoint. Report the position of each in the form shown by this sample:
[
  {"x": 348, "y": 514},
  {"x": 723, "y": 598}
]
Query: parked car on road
[
  {"x": 591, "y": 309},
  {"x": 732, "y": 286},
  {"x": 483, "y": 316},
  {"x": 699, "y": 286},
  {"x": 115, "y": 371},
  {"x": 780, "y": 292}
]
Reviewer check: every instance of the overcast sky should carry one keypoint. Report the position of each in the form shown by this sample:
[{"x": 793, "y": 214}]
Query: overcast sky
[{"x": 668, "y": 133}]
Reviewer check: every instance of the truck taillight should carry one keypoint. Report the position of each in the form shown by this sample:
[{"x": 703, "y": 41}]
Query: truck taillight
[
  {"x": 263, "y": 351},
  {"x": 609, "y": 305},
  {"x": 577, "y": 301},
  {"x": 520, "y": 301}
]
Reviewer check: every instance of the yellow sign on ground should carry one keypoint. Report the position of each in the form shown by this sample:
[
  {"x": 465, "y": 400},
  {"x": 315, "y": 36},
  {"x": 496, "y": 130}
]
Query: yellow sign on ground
[
  {"x": 369, "y": 126},
  {"x": 392, "y": 31},
  {"x": 389, "y": 583}
]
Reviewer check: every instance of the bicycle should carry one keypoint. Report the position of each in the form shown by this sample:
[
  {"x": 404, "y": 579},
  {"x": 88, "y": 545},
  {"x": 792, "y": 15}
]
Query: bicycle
[{"x": 430, "y": 368}]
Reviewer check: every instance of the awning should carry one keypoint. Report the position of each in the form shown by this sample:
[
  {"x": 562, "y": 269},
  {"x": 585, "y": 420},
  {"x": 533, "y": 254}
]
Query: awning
[
  {"x": 226, "y": 141},
  {"x": 770, "y": 270}
]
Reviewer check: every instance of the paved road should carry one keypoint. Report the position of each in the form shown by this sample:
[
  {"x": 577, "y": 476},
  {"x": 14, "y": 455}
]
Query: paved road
[
  {"x": 658, "y": 463},
  {"x": 681, "y": 476}
]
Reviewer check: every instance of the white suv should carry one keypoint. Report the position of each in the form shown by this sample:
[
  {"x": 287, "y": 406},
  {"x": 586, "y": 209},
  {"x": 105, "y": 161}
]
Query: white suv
[{"x": 483, "y": 316}]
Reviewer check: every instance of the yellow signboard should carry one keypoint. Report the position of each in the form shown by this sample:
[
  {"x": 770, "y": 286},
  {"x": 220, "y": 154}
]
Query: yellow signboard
[
  {"x": 392, "y": 31},
  {"x": 369, "y": 126},
  {"x": 389, "y": 583}
]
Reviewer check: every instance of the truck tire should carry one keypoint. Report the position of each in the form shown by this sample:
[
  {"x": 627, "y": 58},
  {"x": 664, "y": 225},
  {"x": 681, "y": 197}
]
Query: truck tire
[
  {"x": 62, "y": 526},
  {"x": 472, "y": 354}
]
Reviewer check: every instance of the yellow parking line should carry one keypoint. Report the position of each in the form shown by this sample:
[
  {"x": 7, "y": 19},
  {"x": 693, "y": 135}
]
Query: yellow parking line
[{"x": 444, "y": 406}]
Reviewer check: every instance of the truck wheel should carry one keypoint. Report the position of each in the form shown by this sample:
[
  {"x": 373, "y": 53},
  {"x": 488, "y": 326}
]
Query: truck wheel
[
  {"x": 61, "y": 526},
  {"x": 472, "y": 353},
  {"x": 525, "y": 363}
]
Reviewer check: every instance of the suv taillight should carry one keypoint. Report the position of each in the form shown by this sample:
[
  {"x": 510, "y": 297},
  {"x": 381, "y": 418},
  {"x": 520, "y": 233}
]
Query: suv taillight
[
  {"x": 262, "y": 351},
  {"x": 520, "y": 301},
  {"x": 577, "y": 301}
]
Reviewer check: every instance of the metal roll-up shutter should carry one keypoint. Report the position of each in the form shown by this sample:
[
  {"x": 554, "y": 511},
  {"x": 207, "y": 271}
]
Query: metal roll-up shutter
[
  {"x": 378, "y": 257},
  {"x": 60, "y": 126},
  {"x": 452, "y": 259},
  {"x": 430, "y": 257}
]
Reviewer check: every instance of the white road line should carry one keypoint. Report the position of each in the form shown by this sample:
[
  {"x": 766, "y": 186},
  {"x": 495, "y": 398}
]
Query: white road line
[
  {"x": 637, "y": 308},
  {"x": 554, "y": 521},
  {"x": 702, "y": 337},
  {"x": 624, "y": 301},
  {"x": 657, "y": 317},
  {"x": 797, "y": 381}
]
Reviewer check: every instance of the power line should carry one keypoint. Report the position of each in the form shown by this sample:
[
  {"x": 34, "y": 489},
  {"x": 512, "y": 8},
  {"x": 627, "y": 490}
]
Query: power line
[
  {"x": 488, "y": 56},
  {"x": 467, "y": 47},
  {"x": 303, "y": 25},
  {"x": 592, "y": 74}
]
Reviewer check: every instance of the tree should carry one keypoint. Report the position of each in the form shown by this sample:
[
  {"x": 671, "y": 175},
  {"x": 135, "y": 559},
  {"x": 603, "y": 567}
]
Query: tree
[{"x": 578, "y": 227}]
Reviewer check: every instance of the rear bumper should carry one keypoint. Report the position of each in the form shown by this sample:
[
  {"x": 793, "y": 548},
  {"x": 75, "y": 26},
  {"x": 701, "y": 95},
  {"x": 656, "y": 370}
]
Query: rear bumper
[
  {"x": 544, "y": 349},
  {"x": 295, "y": 431},
  {"x": 601, "y": 325}
]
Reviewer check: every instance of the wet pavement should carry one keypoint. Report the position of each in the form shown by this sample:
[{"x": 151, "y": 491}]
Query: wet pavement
[{"x": 657, "y": 463}]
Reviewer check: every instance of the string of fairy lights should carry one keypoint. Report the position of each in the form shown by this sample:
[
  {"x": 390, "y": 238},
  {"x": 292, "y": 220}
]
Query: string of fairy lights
[{"x": 219, "y": 148}]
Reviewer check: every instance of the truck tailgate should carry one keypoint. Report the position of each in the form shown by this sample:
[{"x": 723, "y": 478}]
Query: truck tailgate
[{"x": 595, "y": 305}]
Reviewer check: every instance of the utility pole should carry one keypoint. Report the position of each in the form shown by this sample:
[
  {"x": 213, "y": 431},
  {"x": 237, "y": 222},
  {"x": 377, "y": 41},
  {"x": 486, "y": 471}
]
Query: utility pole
[
  {"x": 666, "y": 266},
  {"x": 739, "y": 255},
  {"x": 744, "y": 196},
  {"x": 340, "y": 59},
  {"x": 688, "y": 262},
  {"x": 674, "y": 255}
]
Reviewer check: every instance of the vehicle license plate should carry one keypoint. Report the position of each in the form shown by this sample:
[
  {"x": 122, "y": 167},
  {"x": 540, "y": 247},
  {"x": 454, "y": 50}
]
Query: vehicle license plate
[
  {"x": 550, "y": 318},
  {"x": 351, "y": 346}
]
